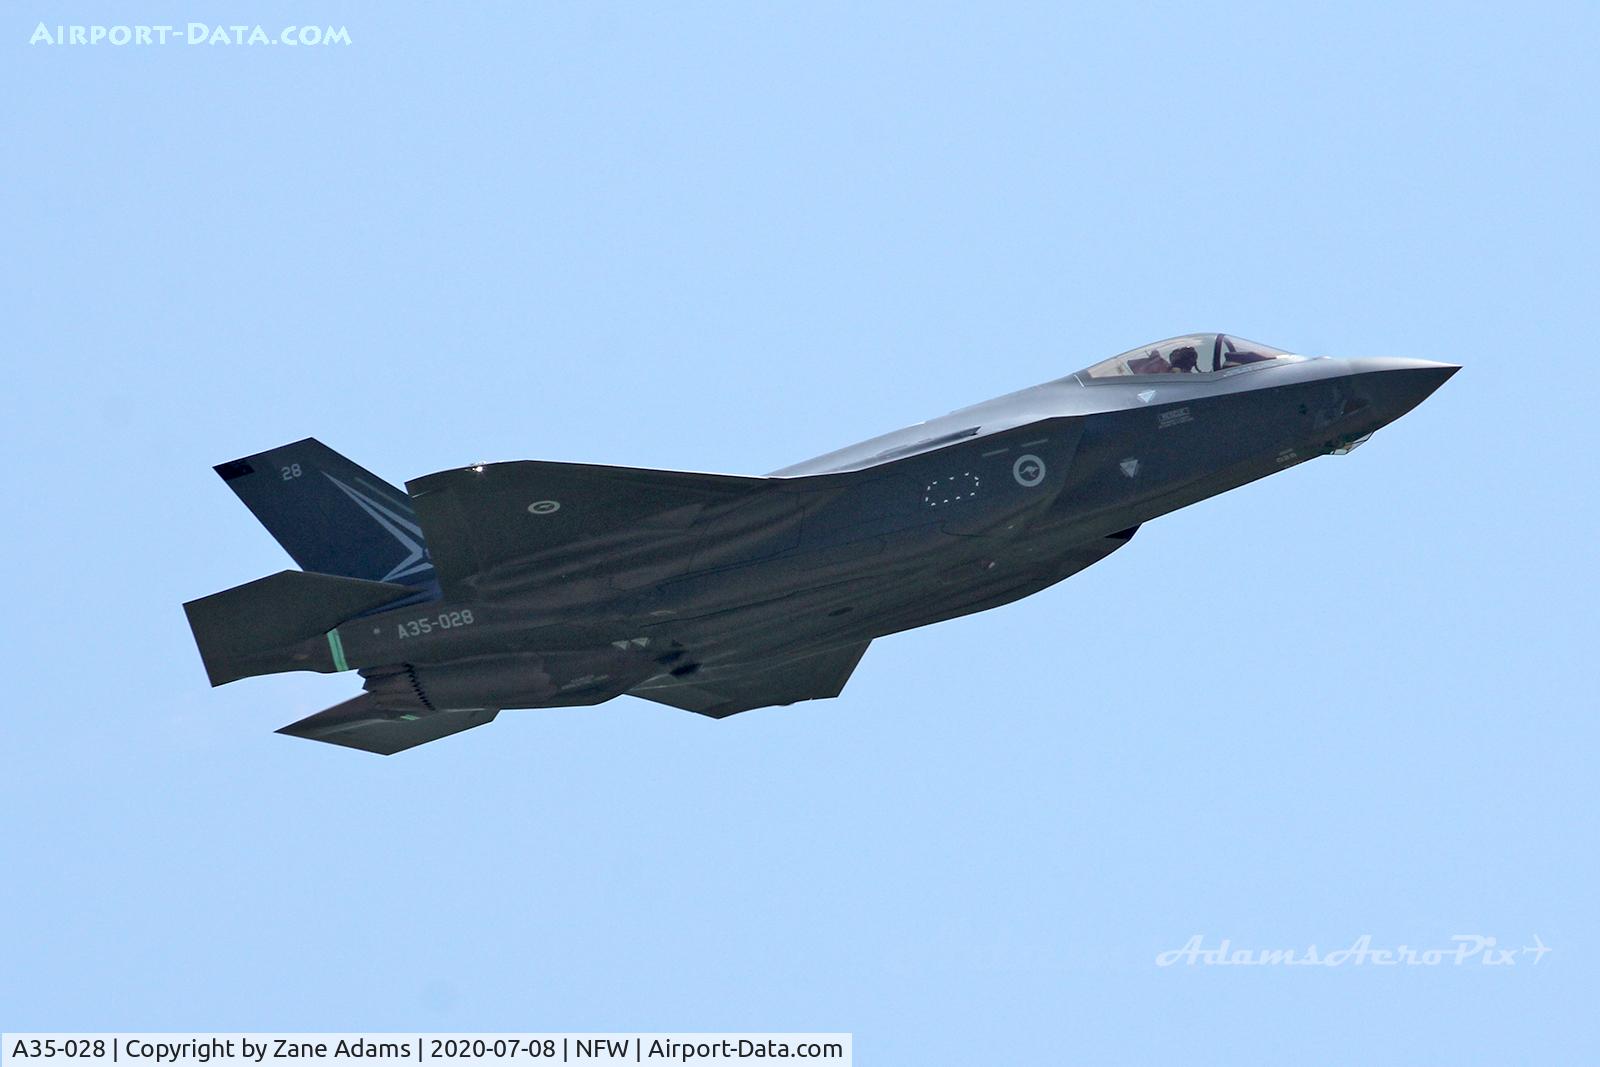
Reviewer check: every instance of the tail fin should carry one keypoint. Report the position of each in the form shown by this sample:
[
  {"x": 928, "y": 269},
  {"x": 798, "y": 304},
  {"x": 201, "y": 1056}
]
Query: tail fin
[
  {"x": 281, "y": 623},
  {"x": 330, "y": 515}
]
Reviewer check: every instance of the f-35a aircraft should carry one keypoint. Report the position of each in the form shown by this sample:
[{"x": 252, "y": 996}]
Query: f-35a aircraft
[{"x": 533, "y": 584}]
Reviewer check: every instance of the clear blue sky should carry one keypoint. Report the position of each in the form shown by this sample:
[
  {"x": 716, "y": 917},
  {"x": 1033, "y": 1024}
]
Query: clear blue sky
[{"x": 728, "y": 238}]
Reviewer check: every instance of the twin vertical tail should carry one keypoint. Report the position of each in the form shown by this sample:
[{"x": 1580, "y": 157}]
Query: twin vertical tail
[
  {"x": 355, "y": 536},
  {"x": 331, "y": 515},
  {"x": 362, "y": 550}
]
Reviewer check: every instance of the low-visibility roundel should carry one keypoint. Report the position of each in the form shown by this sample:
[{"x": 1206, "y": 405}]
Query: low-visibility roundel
[
  {"x": 544, "y": 507},
  {"x": 1028, "y": 470}
]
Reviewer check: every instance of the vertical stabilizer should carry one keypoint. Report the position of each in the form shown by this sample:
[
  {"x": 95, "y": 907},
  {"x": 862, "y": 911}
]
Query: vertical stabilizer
[{"x": 330, "y": 515}]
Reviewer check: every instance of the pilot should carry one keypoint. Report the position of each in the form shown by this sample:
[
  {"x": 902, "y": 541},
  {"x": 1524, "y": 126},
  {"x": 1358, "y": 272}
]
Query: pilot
[{"x": 1185, "y": 360}]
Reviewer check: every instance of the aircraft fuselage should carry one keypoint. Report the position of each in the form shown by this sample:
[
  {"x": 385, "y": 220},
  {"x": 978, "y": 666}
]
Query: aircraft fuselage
[{"x": 865, "y": 543}]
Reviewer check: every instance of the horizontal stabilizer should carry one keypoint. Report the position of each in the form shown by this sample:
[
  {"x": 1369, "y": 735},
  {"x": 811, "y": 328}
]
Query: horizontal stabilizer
[
  {"x": 278, "y": 623},
  {"x": 360, "y": 723}
]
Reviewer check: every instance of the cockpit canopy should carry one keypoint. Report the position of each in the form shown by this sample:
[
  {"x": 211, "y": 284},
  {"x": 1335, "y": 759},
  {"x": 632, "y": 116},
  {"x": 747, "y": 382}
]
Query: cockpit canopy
[{"x": 1196, "y": 353}]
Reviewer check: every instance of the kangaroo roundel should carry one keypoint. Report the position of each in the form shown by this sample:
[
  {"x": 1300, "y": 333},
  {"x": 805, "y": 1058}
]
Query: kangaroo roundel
[{"x": 1028, "y": 470}]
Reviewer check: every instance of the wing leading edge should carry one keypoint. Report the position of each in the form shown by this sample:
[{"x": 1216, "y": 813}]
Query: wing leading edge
[{"x": 721, "y": 693}]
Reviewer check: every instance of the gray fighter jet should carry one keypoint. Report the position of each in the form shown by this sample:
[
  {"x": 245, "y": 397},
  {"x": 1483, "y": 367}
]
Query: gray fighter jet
[{"x": 534, "y": 585}]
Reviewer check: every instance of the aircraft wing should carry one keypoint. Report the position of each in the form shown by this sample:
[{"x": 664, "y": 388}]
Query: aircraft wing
[
  {"x": 719, "y": 693},
  {"x": 479, "y": 517}
]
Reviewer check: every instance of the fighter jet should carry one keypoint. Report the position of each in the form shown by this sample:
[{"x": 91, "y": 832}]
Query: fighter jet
[{"x": 537, "y": 584}]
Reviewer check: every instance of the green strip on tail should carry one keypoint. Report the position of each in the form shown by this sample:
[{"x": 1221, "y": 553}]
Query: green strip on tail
[{"x": 336, "y": 646}]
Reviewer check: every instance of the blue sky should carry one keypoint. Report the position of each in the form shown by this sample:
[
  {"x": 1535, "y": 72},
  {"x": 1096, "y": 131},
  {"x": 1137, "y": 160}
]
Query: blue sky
[{"x": 729, "y": 238}]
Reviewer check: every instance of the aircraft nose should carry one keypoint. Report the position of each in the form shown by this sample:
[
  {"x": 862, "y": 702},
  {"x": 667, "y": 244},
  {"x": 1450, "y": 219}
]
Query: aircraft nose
[{"x": 1398, "y": 385}]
